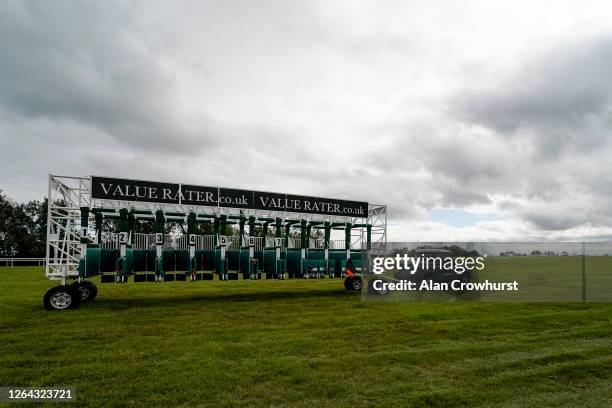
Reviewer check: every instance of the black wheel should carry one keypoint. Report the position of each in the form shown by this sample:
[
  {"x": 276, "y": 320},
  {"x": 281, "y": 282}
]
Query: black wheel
[
  {"x": 352, "y": 283},
  {"x": 62, "y": 298},
  {"x": 87, "y": 290}
]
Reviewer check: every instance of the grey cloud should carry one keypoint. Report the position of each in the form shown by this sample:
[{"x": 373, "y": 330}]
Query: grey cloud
[
  {"x": 455, "y": 196},
  {"x": 82, "y": 62},
  {"x": 563, "y": 99},
  {"x": 555, "y": 222}
]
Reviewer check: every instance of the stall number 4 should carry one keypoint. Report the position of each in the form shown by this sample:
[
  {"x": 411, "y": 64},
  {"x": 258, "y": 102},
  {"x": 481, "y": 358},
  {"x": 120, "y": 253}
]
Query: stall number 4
[{"x": 192, "y": 239}]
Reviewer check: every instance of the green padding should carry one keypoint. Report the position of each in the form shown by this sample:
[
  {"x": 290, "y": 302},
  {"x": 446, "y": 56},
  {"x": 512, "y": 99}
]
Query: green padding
[
  {"x": 129, "y": 261},
  {"x": 205, "y": 260},
  {"x": 90, "y": 265},
  {"x": 168, "y": 260},
  {"x": 335, "y": 259},
  {"x": 220, "y": 264},
  {"x": 337, "y": 255},
  {"x": 316, "y": 254},
  {"x": 233, "y": 260},
  {"x": 315, "y": 264},
  {"x": 151, "y": 255},
  {"x": 293, "y": 258},
  {"x": 199, "y": 257},
  {"x": 182, "y": 260},
  {"x": 269, "y": 260},
  {"x": 108, "y": 260},
  {"x": 281, "y": 265},
  {"x": 159, "y": 270},
  {"x": 140, "y": 260},
  {"x": 259, "y": 256},
  {"x": 209, "y": 259},
  {"x": 244, "y": 261},
  {"x": 358, "y": 255}
]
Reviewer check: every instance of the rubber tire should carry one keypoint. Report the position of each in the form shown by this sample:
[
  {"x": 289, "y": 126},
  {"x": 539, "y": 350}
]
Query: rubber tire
[
  {"x": 68, "y": 290},
  {"x": 353, "y": 283},
  {"x": 92, "y": 290}
]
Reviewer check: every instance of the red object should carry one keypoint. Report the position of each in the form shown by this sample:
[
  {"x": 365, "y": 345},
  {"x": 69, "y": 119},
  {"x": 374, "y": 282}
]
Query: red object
[{"x": 349, "y": 269}]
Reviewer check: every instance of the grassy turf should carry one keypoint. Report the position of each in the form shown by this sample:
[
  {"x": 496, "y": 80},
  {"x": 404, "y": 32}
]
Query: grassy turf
[{"x": 301, "y": 343}]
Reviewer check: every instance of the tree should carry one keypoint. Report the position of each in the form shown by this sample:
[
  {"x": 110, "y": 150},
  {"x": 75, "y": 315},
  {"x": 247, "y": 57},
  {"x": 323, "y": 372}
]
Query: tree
[
  {"x": 7, "y": 246},
  {"x": 23, "y": 228}
]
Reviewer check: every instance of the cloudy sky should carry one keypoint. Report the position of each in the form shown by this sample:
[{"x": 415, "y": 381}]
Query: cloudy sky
[{"x": 471, "y": 120}]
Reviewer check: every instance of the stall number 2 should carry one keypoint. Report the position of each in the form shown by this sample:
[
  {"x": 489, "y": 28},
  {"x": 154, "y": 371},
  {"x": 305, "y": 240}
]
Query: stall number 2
[{"x": 123, "y": 237}]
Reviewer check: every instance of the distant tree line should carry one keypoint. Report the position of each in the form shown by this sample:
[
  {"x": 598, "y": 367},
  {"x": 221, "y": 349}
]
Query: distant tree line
[{"x": 23, "y": 228}]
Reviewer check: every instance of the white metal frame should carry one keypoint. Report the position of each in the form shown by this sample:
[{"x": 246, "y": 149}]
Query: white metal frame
[{"x": 66, "y": 196}]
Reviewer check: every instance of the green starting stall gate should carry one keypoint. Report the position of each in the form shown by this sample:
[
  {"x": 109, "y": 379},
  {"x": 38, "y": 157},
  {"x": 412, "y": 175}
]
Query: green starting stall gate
[{"x": 241, "y": 243}]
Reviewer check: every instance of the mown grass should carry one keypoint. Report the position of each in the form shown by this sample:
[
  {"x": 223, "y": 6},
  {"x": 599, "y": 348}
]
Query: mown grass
[{"x": 301, "y": 343}]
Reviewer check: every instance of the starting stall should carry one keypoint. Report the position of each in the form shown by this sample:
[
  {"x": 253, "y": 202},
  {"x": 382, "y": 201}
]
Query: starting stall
[{"x": 95, "y": 229}]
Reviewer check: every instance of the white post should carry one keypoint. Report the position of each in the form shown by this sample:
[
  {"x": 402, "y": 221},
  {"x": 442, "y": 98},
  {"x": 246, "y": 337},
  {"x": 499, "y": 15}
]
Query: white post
[
  {"x": 223, "y": 243},
  {"x": 159, "y": 244},
  {"x": 278, "y": 241},
  {"x": 192, "y": 242},
  {"x": 123, "y": 240},
  {"x": 253, "y": 274}
]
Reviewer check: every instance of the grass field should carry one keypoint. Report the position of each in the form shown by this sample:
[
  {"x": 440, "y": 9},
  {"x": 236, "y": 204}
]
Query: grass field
[{"x": 301, "y": 343}]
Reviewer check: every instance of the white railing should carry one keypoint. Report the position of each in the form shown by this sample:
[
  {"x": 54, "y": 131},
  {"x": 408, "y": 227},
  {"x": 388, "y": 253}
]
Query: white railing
[
  {"x": 316, "y": 243},
  {"x": 176, "y": 241},
  {"x": 110, "y": 240},
  {"x": 337, "y": 244},
  {"x": 12, "y": 261},
  {"x": 258, "y": 241},
  {"x": 205, "y": 242},
  {"x": 294, "y": 243},
  {"x": 143, "y": 241},
  {"x": 233, "y": 243}
]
